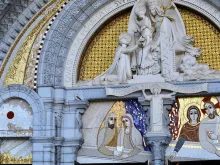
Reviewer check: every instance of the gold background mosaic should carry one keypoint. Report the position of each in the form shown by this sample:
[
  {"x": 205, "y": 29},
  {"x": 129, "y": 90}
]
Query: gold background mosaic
[
  {"x": 8, "y": 159},
  {"x": 185, "y": 103},
  {"x": 119, "y": 109},
  {"x": 18, "y": 68},
  {"x": 100, "y": 52}
]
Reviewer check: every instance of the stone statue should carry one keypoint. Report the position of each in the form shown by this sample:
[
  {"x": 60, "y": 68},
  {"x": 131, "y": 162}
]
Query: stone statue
[
  {"x": 120, "y": 70},
  {"x": 169, "y": 39},
  {"x": 144, "y": 23},
  {"x": 156, "y": 107},
  {"x": 208, "y": 130}
]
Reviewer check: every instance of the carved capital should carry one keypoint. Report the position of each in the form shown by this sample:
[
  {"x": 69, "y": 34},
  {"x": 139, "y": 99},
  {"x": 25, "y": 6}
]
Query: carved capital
[
  {"x": 78, "y": 122},
  {"x": 158, "y": 144},
  {"x": 58, "y": 118}
]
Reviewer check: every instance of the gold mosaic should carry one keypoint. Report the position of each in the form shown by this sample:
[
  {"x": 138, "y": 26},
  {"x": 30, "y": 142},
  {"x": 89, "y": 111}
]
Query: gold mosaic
[
  {"x": 100, "y": 52},
  {"x": 119, "y": 110},
  {"x": 185, "y": 103},
  {"x": 206, "y": 36},
  {"x": 16, "y": 72},
  {"x": 6, "y": 158}
]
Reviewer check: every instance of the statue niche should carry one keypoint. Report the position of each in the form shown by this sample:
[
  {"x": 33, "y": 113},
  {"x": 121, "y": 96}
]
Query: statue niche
[{"x": 154, "y": 49}]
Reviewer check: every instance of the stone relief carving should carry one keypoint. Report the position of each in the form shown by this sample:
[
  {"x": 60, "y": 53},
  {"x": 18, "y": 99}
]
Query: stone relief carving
[
  {"x": 192, "y": 70},
  {"x": 165, "y": 86},
  {"x": 165, "y": 52}
]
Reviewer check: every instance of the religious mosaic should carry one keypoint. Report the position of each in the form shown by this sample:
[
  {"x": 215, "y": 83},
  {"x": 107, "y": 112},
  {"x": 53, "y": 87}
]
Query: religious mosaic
[
  {"x": 16, "y": 119},
  {"x": 122, "y": 134},
  {"x": 15, "y": 152},
  {"x": 117, "y": 133},
  {"x": 196, "y": 121}
]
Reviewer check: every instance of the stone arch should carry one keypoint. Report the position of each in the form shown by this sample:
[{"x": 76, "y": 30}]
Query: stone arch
[
  {"x": 20, "y": 13},
  {"x": 32, "y": 98},
  {"x": 75, "y": 26},
  {"x": 59, "y": 38}
]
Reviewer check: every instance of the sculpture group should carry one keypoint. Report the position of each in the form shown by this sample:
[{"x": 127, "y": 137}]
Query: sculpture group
[{"x": 155, "y": 49}]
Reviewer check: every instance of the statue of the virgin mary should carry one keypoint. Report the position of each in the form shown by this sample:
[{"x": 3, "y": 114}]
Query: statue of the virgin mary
[{"x": 169, "y": 40}]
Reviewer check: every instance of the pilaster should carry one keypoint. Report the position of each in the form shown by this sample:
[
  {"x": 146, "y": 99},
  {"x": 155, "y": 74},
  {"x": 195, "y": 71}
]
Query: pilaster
[
  {"x": 72, "y": 130},
  {"x": 43, "y": 150},
  {"x": 58, "y": 139}
]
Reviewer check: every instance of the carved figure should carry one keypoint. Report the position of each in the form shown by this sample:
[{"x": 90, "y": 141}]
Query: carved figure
[
  {"x": 156, "y": 107},
  {"x": 168, "y": 34},
  {"x": 107, "y": 137},
  {"x": 120, "y": 70},
  {"x": 189, "y": 131},
  {"x": 144, "y": 23},
  {"x": 208, "y": 130},
  {"x": 193, "y": 70},
  {"x": 129, "y": 141}
]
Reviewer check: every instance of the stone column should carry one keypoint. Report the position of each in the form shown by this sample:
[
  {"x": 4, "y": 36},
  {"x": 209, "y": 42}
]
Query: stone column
[
  {"x": 71, "y": 130},
  {"x": 58, "y": 140},
  {"x": 158, "y": 141},
  {"x": 158, "y": 144}
]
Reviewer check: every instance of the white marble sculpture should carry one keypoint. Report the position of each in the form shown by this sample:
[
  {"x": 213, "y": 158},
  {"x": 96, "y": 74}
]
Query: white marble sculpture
[
  {"x": 192, "y": 70},
  {"x": 164, "y": 49},
  {"x": 156, "y": 108}
]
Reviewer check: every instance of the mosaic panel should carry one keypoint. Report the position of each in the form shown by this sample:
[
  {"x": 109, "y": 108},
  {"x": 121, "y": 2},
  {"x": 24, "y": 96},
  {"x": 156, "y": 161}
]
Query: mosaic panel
[
  {"x": 15, "y": 152},
  {"x": 16, "y": 119}
]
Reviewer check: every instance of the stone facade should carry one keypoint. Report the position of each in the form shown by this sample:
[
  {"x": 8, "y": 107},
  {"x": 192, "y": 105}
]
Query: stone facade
[{"x": 57, "y": 104}]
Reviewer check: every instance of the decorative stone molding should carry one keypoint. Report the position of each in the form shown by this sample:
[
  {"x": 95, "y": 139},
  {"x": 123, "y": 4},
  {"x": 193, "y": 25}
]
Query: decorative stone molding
[
  {"x": 203, "y": 7},
  {"x": 58, "y": 144},
  {"x": 16, "y": 16},
  {"x": 72, "y": 130},
  {"x": 86, "y": 33},
  {"x": 165, "y": 86},
  {"x": 32, "y": 98}
]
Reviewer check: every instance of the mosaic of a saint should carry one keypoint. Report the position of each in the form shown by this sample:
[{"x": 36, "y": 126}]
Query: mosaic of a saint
[
  {"x": 190, "y": 129},
  {"x": 202, "y": 126},
  {"x": 119, "y": 136},
  {"x": 107, "y": 137}
]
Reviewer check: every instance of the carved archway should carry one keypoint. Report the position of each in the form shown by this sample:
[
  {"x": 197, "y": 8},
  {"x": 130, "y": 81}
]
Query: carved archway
[{"x": 74, "y": 34}]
